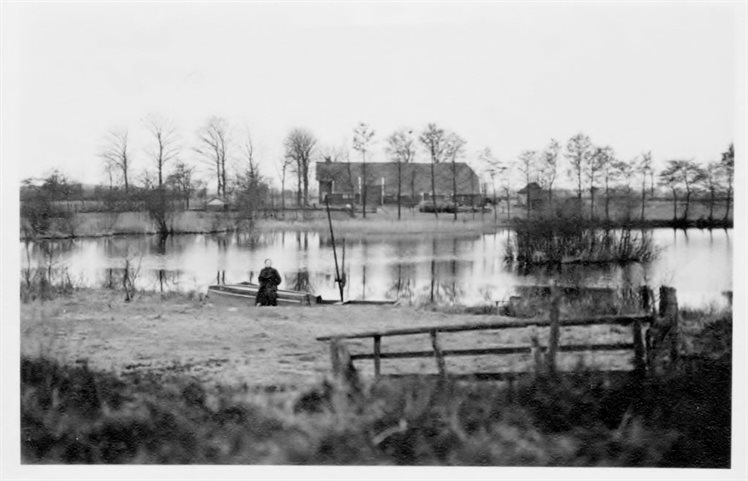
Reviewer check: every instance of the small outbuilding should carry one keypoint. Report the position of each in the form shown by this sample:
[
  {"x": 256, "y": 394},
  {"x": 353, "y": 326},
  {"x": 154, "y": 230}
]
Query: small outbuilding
[{"x": 216, "y": 204}]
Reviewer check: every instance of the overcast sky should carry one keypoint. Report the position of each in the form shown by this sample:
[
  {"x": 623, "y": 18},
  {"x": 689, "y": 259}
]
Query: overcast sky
[{"x": 638, "y": 77}]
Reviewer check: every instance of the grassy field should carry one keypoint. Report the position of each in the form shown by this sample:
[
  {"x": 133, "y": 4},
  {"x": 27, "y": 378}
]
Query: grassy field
[
  {"x": 184, "y": 380},
  {"x": 236, "y": 343}
]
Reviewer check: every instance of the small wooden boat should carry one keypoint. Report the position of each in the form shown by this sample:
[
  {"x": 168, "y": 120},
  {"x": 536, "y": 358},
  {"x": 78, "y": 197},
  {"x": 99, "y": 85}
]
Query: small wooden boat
[{"x": 249, "y": 292}]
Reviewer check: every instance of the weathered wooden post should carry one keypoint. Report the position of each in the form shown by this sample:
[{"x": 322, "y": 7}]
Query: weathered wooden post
[
  {"x": 669, "y": 317},
  {"x": 343, "y": 370},
  {"x": 335, "y": 361},
  {"x": 537, "y": 355},
  {"x": 554, "y": 334},
  {"x": 647, "y": 298},
  {"x": 377, "y": 354},
  {"x": 640, "y": 364},
  {"x": 640, "y": 349},
  {"x": 438, "y": 355}
]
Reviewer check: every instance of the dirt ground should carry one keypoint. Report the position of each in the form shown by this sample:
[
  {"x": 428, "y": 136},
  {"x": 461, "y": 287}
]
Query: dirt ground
[{"x": 232, "y": 343}]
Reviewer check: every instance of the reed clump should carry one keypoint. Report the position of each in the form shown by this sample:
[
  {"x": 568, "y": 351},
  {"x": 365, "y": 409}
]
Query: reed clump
[{"x": 561, "y": 240}]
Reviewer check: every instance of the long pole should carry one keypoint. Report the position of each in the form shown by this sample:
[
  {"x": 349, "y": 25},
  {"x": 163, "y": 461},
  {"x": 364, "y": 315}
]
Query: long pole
[{"x": 334, "y": 251}]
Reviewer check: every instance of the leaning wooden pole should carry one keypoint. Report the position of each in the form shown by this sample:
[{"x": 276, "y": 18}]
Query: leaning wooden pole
[{"x": 334, "y": 251}]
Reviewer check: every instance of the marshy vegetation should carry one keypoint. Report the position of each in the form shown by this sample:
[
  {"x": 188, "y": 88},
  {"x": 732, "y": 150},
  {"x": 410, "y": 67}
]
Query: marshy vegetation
[{"x": 561, "y": 239}]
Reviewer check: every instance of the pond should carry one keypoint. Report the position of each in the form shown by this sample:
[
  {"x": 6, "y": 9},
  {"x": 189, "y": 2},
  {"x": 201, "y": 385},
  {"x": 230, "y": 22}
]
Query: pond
[{"x": 441, "y": 269}]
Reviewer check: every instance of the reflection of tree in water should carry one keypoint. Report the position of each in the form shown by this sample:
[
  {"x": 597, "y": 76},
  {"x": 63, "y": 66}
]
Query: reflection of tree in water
[
  {"x": 299, "y": 281},
  {"x": 440, "y": 290},
  {"x": 167, "y": 279},
  {"x": 403, "y": 285}
]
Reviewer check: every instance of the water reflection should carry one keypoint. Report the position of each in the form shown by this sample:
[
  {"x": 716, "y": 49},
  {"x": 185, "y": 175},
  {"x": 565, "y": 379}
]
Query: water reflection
[{"x": 461, "y": 269}]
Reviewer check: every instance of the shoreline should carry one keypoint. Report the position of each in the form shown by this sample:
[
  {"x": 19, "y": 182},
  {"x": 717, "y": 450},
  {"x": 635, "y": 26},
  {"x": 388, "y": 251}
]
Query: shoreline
[{"x": 378, "y": 225}]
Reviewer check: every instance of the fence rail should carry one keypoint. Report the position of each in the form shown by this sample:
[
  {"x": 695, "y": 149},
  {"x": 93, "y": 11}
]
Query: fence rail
[
  {"x": 643, "y": 339},
  {"x": 495, "y": 325}
]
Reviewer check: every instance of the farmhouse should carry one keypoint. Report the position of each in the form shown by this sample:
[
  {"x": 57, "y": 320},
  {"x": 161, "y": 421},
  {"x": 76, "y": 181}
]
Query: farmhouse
[{"x": 344, "y": 181}]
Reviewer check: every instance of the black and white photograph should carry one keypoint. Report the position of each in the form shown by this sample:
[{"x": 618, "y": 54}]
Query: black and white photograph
[{"x": 368, "y": 240}]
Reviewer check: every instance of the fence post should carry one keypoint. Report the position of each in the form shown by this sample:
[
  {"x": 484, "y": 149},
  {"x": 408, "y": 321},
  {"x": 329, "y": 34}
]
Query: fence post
[
  {"x": 377, "y": 353},
  {"x": 647, "y": 297},
  {"x": 344, "y": 372},
  {"x": 553, "y": 338},
  {"x": 440, "y": 364},
  {"x": 537, "y": 355},
  {"x": 669, "y": 315},
  {"x": 640, "y": 365},
  {"x": 642, "y": 341},
  {"x": 335, "y": 360}
]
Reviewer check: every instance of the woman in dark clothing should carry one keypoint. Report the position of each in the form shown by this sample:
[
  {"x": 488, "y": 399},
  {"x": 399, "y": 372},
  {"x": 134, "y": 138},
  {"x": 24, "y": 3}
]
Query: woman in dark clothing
[{"x": 269, "y": 279}]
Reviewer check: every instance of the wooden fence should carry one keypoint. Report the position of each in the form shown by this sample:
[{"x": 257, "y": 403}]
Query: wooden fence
[{"x": 649, "y": 330}]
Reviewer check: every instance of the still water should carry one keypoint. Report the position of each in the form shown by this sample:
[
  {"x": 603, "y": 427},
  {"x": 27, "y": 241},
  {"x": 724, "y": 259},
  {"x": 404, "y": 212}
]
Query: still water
[{"x": 460, "y": 269}]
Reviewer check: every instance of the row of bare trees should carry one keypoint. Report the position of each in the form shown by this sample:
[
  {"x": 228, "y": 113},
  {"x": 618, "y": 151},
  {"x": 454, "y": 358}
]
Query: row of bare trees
[
  {"x": 229, "y": 159},
  {"x": 593, "y": 168}
]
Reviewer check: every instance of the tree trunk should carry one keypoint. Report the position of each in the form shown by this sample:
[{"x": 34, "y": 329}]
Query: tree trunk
[
  {"x": 454, "y": 188},
  {"x": 729, "y": 201},
  {"x": 527, "y": 198},
  {"x": 592, "y": 203},
  {"x": 508, "y": 207},
  {"x": 711, "y": 204},
  {"x": 675, "y": 205},
  {"x": 399, "y": 191},
  {"x": 433, "y": 188},
  {"x": 688, "y": 203},
  {"x": 283, "y": 191},
  {"x": 363, "y": 182},
  {"x": 495, "y": 207},
  {"x": 644, "y": 194},
  {"x": 607, "y": 201}
]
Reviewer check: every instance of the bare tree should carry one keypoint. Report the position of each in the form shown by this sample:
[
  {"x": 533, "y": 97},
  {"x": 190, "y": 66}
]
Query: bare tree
[
  {"x": 251, "y": 185},
  {"x": 728, "y": 169},
  {"x": 613, "y": 171},
  {"x": 578, "y": 152},
  {"x": 115, "y": 155},
  {"x": 251, "y": 166},
  {"x": 182, "y": 181},
  {"x": 164, "y": 149},
  {"x": 681, "y": 173},
  {"x": 362, "y": 138},
  {"x": 434, "y": 139},
  {"x": 299, "y": 146},
  {"x": 692, "y": 175},
  {"x": 492, "y": 167},
  {"x": 644, "y": 167},
  {"x": 454, "y": 148},
  {"x": 286, "y": 163},
  {"x": 526, "y": 166},
  {"x": 506, "y": 170},
  {"x": 402, "y": 150},
  {"x": 549, "y": 167},
  {"x": 711, "y": 179},
  {"x": 601, "y": 158},
  {"x": 213, "y": 146}
]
